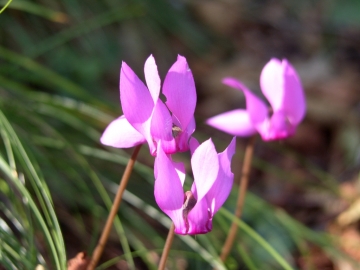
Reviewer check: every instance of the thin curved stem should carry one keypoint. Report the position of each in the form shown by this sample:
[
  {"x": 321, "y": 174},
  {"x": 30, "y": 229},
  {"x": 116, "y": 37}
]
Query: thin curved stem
[
  {"x": 167, "y": 247},
  {"x": 6, "y": 5},
  {"x": 241, "y": 197},
  {"x": 114, "y": 209},
  {"x": 259, "y": 239}
]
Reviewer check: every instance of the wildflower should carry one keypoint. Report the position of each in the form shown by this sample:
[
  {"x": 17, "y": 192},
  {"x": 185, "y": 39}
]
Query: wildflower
[
  {"x": 146, "y": 117},
  {"x": 281, "y": 85},
  {"x": 192, "y": 212}
]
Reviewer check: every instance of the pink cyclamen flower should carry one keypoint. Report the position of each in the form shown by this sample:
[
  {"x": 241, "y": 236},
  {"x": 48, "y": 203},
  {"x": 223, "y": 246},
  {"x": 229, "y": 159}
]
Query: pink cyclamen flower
[
  {"x": 146, "y": 117},
  {"x": 192, "y": 212},
  {"x": 281, "y": 85}
]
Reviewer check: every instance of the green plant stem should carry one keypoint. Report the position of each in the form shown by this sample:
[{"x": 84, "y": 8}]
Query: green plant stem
[
  {"x": 260, "y": 240},
  {"x": 114, "y": 209},
  {"x": 6, "y": 5},
  {"x": 167, "y": 247},
  {"x": 241, "y": 198}
]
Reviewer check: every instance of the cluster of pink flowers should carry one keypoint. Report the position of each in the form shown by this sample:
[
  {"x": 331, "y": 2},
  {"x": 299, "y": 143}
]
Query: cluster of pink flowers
[{"x": 168, "y": 126}]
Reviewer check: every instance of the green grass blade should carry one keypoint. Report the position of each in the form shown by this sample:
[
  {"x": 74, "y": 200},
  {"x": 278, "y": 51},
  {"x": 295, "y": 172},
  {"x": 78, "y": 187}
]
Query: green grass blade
[
  {"x": 106, "y": 18},
  {"x": 46, "y": 74},
  {"x": 24, "y": 193},
  {"x": 5, "y": 6},
  {"x": 256, "y": 237},
  {"x": 39, "y": 10},
  {"x": 43, "y": 194}
]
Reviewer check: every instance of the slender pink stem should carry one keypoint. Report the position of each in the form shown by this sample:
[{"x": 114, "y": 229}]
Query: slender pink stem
[
  {"x": 167, "y": 247},
  {"x": 114, "y": 209},
  {"x": 241, "y": 197}
]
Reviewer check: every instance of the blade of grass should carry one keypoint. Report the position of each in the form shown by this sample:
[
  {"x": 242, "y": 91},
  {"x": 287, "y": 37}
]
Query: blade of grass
[
  {"x": 82, "y": 162},
  {"x": 256, "y": 237},
  {"x": 39, "y": 10},
  {"x": 47, "y": 75},
  {"x": 106, "y": 18},
  {"x": 24, "y": 193},
  {"x": 5, "y": 6},
  {"x": 246, "y": 258},
  {"x": 39, "y": 186}
]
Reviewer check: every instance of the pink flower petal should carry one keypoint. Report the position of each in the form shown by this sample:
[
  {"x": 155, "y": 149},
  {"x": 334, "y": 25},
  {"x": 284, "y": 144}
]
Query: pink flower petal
[
  {"x": 199, "y": 218},
  {"x": 180, "y": 169},
  {"x": 182, "y": 137},
  {"x": 281, "y": 85},
  {"x": 256, "y": 108},
  {"x": 119, "y": 133},
  {"x": 168, "y": 190},
  {"x": 277, "y": 127},
  {"x": 180, "y": 92},
  {"x": 294, "y": 101},
  {"x": 161, "y": 128},
  {"x": 272, "y": 83},
  {"x": 236, "y": 122},
  {"x": 221, "y": 188},
  {"x": 205, "y": 166},
  {"x": 152, "y": 78},
  {"x": 193, "y": 144},
  {"x": 136, "y": 101}
]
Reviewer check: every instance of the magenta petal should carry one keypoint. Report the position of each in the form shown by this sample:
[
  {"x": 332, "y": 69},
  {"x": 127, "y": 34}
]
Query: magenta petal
[
  {"x": 281, "y": 85},
  {"x": 221, "y": 188},
  {"x": 236, "y": 122},
  {"x": 272, "y": 83},
  {"x": 136, "y": 101},
  {"x": 180, "y": 169},
  {"x": 168, "y": 190},
  {"x": 161, "y": 122},
  {"x": 161, "y": 127},
  {"x": 152, "y": 78},
  {"x": 193, "y": 144},
  {"x": 180, "y": 92},
  {"x": 294, "y": 101},
  {"x": 277, "y": 128},
  {"x": 205, "y": 166},
  {"x": 256, "y": 107},
  {"x": 199, "y": 218},
  {"x": 119, "y": 133},
  {"x": 182, "y": 138}
]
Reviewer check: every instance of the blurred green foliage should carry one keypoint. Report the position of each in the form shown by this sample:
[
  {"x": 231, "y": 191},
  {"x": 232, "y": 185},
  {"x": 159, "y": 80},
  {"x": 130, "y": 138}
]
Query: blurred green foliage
[{"x": 58, "y": 86}]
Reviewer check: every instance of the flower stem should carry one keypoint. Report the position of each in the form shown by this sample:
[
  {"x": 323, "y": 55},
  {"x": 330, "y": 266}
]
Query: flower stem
[
  {"x": 114, "y": 209},
  {"x": 167, "y": 247},
  {"x": 241, "y": 197}
]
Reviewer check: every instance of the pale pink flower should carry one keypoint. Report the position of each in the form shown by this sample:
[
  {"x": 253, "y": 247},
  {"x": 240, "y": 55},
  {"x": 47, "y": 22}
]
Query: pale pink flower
[
  {"x": 281, "y": 85},
  {"x": 146, "y": 117},
  {"x": 192, "y": 211}
]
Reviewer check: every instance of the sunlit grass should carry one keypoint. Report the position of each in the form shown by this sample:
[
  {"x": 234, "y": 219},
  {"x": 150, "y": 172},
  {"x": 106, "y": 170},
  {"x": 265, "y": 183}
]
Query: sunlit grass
[{"x": 57, "y": 182}]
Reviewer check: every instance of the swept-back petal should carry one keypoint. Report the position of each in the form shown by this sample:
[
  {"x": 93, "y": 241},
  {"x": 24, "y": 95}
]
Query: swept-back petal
[
  {"x": 221, "y": 188},
  {"x": 180, "y": 92},
  {"x": 256, "y": 108},
  {"x": 205, "y": 166},
  {"x": 272, "y": 83},
  {"x": 182, "y": 137},
  {"x": 119, "y": 133},
  {"x": 193, "y": 144},
  {"x": 236, "y": 122},
  {"x": 168, "y": 190},
  {"x": 161, "y": 128},
  {"x": 294, "y": 104},
  {"x": 180, "y": 169},
  {"x": 199, "y": 218},
  {"x": 136, "y": 101},
  {"x": 281, "y": 85},
  {"x": 152, "y": 78},
  {"x": 277, "y": 128}
]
